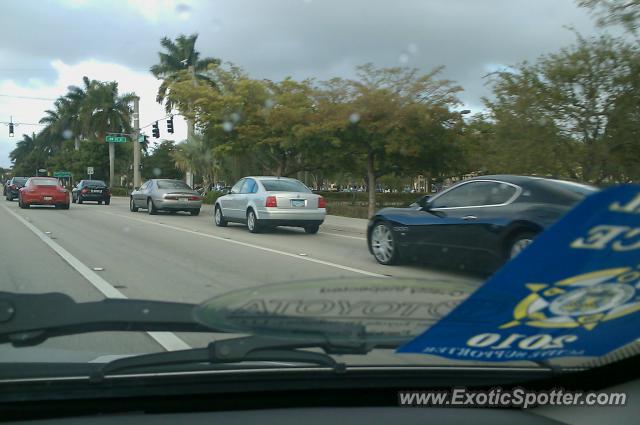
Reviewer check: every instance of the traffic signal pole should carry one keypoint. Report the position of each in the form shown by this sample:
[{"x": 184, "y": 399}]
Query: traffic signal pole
[{"x": 137, "y": 181}]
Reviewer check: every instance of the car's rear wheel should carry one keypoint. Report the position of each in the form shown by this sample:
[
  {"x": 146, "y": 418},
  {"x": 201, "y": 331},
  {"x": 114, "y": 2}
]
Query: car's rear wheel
[
  {"x": 195, "y": 211},
  {"x": 218, "y": 218},
  {"x": 151, "y": 208},
  {"x": 383, "y": 244},
  {"x": 252, "y": 222},
  {"x": 9, "y": 197},
  {"x": 312, "y": 229},
  {"x": 73, "y": 199},
  {"x": 107, "y": 201},
  {"x": 65, "y": 206},
  {"x": 132, "y": 205},
  {"x": 80, "y": 199},
  {"x": 99, "y": 202},
  {"x": 518, "y": 243}
]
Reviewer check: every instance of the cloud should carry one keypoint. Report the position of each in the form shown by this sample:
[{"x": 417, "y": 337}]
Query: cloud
[
  {"x": 25, "y": 109},
  {"x": 46, "y": 41}
]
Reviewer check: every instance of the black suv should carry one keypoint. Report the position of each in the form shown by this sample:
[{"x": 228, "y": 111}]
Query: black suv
[
  {"x": 13, "y": 187},
  {"x": 91, "y": 190}
]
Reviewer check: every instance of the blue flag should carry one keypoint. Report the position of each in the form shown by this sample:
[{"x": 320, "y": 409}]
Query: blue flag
[{"x": 575, "y": 291}]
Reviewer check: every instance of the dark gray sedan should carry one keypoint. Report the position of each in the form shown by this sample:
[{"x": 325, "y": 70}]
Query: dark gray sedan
[{"x": 165, "y": 195}]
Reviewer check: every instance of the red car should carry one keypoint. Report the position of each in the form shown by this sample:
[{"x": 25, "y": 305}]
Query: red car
[{"x": 43, "y": 191}]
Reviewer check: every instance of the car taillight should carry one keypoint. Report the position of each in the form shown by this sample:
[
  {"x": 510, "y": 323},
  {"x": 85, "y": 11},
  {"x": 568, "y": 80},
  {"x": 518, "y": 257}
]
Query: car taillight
[
  {"x": 13, "y": 186},
  {"x": 271, "y": 202},
  {"x": 85, "y": 190},
  {"x": 194, "y": 198},
  {"x": 322, "y": 203}
]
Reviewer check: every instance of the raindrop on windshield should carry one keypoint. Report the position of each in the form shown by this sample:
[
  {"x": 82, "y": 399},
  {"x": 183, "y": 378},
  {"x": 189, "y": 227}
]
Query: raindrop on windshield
[
  {"x": 157, "y": 172},
  {"x": 269, "y": 103},
  {"x": 183, "y": 11},
  {"x": 412, "y": 48},
  {"x": 235, "y": 117},
  {"x": 227, "y": 126},
  {"x": 67, "y": 134},
  {"x": 354, "y": 118},
  {"x": 404, "y": 58}
]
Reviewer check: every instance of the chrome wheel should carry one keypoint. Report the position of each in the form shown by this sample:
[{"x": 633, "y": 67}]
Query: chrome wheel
[
  {"x": 218, "y": 217},
  {"x": 518, "y": 246},
  {"x": 383, "y": 244},
  {"x": 251, "y": 221}
]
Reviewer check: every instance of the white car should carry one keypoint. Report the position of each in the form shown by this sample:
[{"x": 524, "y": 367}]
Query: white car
[{"x": 270, "y": 201}]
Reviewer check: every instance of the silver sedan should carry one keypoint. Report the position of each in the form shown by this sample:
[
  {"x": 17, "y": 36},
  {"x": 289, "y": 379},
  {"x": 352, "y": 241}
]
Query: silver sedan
[
  {"x": 270, "y": 201},
  {"x": 165, "y": 195}
]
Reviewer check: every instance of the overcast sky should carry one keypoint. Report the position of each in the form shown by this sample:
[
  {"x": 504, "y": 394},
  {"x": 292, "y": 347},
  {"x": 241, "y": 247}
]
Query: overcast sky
[{"x": 47, "y": 45}]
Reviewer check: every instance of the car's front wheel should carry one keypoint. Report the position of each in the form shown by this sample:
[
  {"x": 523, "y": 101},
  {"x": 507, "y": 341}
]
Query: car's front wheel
[
  {"x": 383, "y": 244},
  {"x": 218, "y": 218},
  {"x": 107, "y": 201},
  {"x": 132, "y": 205}
]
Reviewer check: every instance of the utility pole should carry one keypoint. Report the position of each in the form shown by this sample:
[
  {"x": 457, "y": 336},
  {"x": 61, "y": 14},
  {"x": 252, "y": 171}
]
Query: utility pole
[
  {"x": 136, "y": 143},
  {"x": 191, "y": 125},
  {"x": 112, "y": 164}
]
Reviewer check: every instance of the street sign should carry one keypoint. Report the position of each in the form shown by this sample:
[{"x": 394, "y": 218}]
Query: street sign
[
  {"x": 90, "y": 171},
  {"x": 61, "y": 174},
  {"x": 116, "y": 139},
  {"x": 141, "y": 138},
  {"x": 42, "y": 170}
]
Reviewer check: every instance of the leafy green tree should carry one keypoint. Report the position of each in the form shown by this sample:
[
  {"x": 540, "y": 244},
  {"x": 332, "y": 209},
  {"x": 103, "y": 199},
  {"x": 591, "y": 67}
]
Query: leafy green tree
[
  {"x": 160, "y": 163},
  {"x": 551, "y": 116},
  {"x": 609, "y": 12}
]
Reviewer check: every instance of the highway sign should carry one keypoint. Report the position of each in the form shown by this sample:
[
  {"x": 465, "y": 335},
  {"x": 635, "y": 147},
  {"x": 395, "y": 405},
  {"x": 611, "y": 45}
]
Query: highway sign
[
  {"x": 116, "y": 139},
  {"x": 90, "y": 171},
  {"x": 61, "y": 174}
]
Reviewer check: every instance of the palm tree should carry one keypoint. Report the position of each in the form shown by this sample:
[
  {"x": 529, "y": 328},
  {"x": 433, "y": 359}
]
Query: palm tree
[
  {"x": 196, "y": 156},
  {"x": 179, "y": 56},
  {"x": 104, "y": 111},
  {"x": 28, "y": 155}
]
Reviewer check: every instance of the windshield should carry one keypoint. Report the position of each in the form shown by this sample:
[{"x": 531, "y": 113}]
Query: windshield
[
  {"x": 172, "y": 184},
  {"x": 305, "y": 169},
  {"x": 20, "y": 180},
  {"x": 284, "y": 186}
]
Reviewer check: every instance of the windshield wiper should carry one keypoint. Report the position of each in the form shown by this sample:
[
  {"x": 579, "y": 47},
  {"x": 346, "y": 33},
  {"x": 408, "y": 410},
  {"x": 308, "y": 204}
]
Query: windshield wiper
[
  {"x": 247, "y": 349},
  {"x": 29, "y": 319}
]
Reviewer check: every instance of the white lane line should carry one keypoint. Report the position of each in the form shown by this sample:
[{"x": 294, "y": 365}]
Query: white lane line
[
  {"x": 168, "y": 340},
  {"x": 344, "y": 236},
  {"x": 250, "y": 245}
]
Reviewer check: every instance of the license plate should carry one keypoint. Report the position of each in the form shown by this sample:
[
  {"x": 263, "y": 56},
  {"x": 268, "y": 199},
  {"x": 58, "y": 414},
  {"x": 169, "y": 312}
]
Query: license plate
[
  {"x": 47, "y": 198},
  {"x": 297, "y": 203},
  {"x": 96, "y": 191},
  {"x": 184, "y": 199}
]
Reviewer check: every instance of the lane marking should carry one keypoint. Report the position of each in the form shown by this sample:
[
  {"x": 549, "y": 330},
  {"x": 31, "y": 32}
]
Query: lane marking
[
  {"x": 343, "y": 236},
  {"x": 168, "y": 340},
  {"x": 250, "y": 245}
]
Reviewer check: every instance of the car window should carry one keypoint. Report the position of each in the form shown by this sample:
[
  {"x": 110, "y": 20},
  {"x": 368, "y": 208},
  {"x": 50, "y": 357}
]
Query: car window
[
  {"x": 146, "y": 185},
  {"x": 475, "y": 194},
  {"x": 284, "y": 186},
  {"x": 99, "y": 183},
  {"x": 44, "y": 182},
  {"x": 249, "y": 186},
  {"x": 236, "y": 187},
  {"x": 172, "y": 184}
]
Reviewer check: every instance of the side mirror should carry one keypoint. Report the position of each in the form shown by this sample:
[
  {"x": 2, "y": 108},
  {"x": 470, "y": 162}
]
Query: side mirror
[
  {"x": 229, "y": 192},
  {"x": 424, "y": 202},
  {"x": 136, "y": 188}
]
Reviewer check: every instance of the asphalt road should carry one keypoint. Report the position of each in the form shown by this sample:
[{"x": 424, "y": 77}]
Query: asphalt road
[{"x": 95, "y": 251}]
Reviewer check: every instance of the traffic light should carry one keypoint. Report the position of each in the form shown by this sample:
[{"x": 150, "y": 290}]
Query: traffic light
[
  {"x": 10, "y": 129},
  {"x": 146, "y": 139},
  {"x": 170, "y": 125},
  {"x": 156, "y": 130}
]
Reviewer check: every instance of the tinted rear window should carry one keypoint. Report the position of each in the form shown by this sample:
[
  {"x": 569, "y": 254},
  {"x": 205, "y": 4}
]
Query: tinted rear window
[
  {"x": 284, "y": 186},
  {"x": 562, "y": 192},
  {"x": 98, "y": 183},
  {"x": 44, "y": 182},
  {"x": 172, "y": 184},
  {"x": 20, "y": 180}
]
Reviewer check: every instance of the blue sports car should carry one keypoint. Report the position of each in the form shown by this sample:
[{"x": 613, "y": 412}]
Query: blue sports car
[{"x": 477, "y": 224}]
